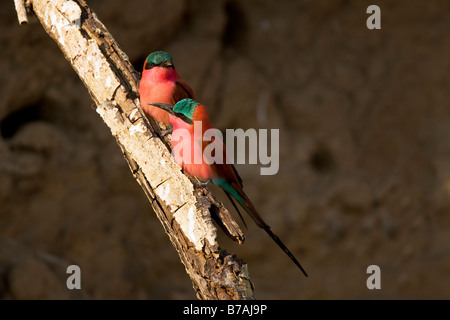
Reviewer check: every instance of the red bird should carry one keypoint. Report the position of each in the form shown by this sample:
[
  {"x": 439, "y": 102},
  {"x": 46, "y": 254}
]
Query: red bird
[
  {"x": 189, "y": 148},
  {"x": 161, "y": 83}
]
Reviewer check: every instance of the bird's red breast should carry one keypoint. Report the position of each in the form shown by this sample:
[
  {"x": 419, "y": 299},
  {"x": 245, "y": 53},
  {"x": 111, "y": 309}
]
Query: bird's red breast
[
  {"x": 162, "y": 85},
  {"x": 188, "y": 144}
]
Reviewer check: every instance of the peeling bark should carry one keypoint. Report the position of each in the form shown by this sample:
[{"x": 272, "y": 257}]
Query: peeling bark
[{"x": 184, "y": 208}]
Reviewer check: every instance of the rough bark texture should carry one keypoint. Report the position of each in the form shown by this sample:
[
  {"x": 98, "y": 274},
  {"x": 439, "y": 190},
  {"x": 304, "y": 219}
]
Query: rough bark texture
[{"x": 183, "y": 208}]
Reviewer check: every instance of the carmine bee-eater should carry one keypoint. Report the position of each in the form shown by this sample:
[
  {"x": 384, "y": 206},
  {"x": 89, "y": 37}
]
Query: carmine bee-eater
[
  {"x": 184, "y": 116},
  {"x": 161, "y": 83}
]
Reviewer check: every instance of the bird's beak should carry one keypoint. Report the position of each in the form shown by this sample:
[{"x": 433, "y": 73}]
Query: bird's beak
[
  {"x": 168, "y": 108},
  {"x": 165, "y": 107},
  {"x": 167, "y": 64}
]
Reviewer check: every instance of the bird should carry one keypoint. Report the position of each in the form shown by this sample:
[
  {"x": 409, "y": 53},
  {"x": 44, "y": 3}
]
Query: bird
[
  {"x": 184, "y": 115},
  {"x": 160, "y": 82}
]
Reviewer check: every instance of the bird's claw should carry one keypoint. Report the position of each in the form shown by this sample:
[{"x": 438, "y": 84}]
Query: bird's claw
[
  {"x": 202, "y": 184},
  {"x": 165, "y": 132},
  {"x": 195, "y": 181}
]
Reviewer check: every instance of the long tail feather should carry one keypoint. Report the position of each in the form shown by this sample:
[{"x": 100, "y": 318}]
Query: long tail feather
[
  {"x": 235, "y": 207},
  {"x": 249, "y": 207},
  {"x": 286, "y": 250}
]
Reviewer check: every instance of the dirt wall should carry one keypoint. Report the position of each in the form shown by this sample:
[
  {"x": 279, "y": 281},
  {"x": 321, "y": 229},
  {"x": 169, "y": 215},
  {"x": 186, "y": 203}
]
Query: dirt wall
[{"x": 364, "y": 178}]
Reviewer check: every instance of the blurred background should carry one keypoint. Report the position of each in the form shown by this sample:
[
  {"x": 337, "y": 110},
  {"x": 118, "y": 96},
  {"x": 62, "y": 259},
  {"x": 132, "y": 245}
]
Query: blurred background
[{"x": 364, "y": 179}]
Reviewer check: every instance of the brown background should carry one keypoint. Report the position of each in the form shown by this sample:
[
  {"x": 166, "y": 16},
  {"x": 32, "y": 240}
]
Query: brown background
[{"x": 364, "y": 119}]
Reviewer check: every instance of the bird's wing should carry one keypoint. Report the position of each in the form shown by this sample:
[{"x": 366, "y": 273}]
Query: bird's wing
[
  {"x": 248, "y": 206},
  {"x": 182, "y": 91},
  {"x": 230, "y": 197},
  {"x": 227, "y": 170},
  {"x": 238, "y": 177}
]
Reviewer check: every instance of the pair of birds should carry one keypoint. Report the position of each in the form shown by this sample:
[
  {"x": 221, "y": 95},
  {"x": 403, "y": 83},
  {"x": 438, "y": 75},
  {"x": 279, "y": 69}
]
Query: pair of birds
[{"x": 166, "y": 97}]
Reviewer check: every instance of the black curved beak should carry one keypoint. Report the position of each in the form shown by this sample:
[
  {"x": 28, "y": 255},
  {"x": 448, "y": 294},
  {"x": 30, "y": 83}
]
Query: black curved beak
[
  {"x": 168, "y": 108},
  {"x": 167, "y": 64}
]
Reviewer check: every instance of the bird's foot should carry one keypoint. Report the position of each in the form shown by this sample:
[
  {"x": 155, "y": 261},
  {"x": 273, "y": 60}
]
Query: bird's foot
[
  {"x": 165, "y": 132},
  {"x": 202, "y": 184},
  {"x": 196, "y": 181}
]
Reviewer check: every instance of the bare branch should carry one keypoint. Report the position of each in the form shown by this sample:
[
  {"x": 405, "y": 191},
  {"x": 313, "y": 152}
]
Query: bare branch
[
  {"x": 21, "y": 11},
  {"x": 183, "y": 208}
]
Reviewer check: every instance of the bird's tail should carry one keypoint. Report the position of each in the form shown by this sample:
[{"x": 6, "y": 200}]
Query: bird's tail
[{"x": 248, "y": 206}]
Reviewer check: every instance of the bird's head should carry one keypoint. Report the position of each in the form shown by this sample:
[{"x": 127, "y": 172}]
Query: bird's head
[
  {"x": 158, "y": 59},
  {"x": 183, "y": 109}
]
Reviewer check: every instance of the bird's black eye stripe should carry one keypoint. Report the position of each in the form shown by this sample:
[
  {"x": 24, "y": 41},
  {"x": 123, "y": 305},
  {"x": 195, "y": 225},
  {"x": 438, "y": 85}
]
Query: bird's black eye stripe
[
  {"x": 184, "y": 118},
  {"x": 149, "y": 65}
]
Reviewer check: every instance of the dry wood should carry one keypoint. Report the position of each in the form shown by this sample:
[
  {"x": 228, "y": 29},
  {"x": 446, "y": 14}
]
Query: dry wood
[
  {"x": 21, "y": 11},
  {"x": 184, "y": 208}
]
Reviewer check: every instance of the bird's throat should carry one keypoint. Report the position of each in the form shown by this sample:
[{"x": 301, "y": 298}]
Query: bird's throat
[{"x": 158, "y": 74}]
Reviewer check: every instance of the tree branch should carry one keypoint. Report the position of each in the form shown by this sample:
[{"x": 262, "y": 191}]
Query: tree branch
[
  {"x": 184, "y": 209},
  {"x": 21, "y": 11}
]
